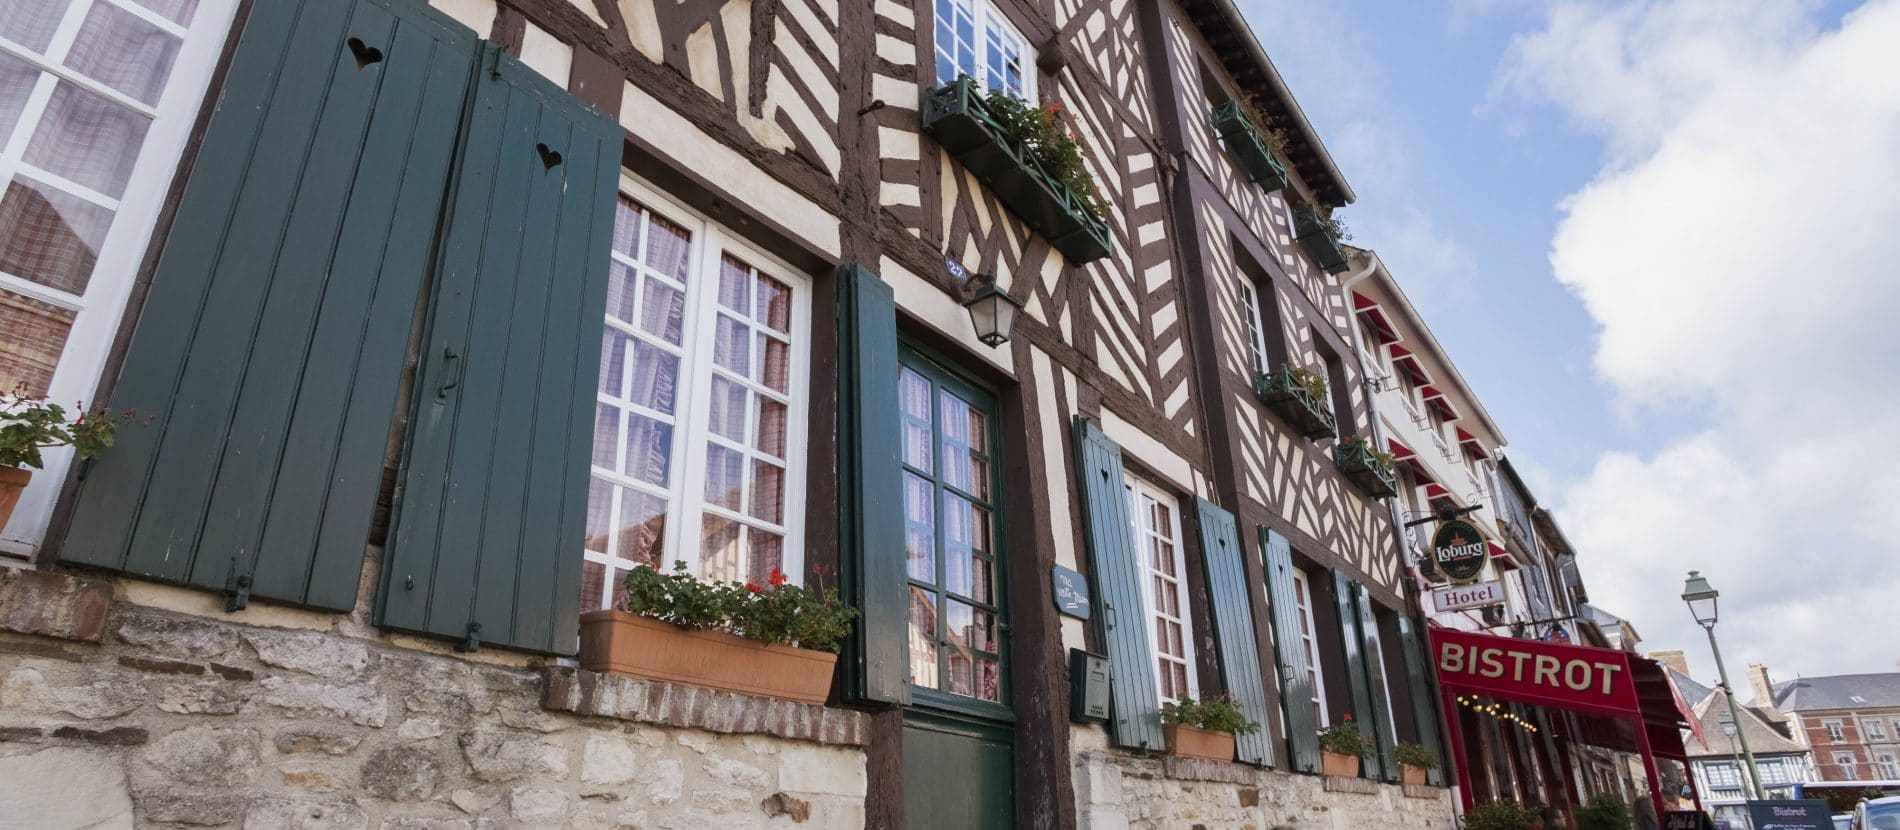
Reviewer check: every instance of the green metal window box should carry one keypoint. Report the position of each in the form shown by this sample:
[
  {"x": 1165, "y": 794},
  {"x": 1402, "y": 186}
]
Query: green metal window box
[
  {"x": 1366, "y": 471},
  {"x": 1262, "y": 166},
  {"x": 1304, "y": 412},
  {"x": 1326, "y": 251},
  {"x": 956, "y": 115}
]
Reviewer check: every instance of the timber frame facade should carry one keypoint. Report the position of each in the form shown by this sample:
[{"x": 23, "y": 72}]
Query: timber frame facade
[{"x": 791, "y": 130}]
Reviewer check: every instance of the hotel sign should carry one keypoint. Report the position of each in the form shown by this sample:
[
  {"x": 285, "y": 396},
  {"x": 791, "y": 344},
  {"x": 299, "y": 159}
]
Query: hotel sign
[
  {"x": 1571, "y": 677},
  {"x": 1460, "y": 550},
  {"x": 1460, "y": 597}
]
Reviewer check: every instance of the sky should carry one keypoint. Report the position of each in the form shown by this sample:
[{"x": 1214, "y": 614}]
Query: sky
[{"x": 1659, "y": 239}]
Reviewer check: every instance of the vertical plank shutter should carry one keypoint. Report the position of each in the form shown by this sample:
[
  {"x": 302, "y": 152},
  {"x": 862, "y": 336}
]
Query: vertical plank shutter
[
  {"x": 1355, "y": 648},
  {"x": 871, "y": 496},
  {"x": 1135, "y": 719},
  {"x": 1372, "y": 649},
  {"x": 1296, "y": 687},
  {"x": 270, "y": 350},
  {"x": 1233, "y": 628},
  {"x": 1424, "y": 707},
  {"x": 487, "y": 537}
]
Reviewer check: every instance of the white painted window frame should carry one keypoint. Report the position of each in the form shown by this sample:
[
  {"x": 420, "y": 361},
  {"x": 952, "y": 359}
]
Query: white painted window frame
[
  {"x": 1872, "y": 730},
  {"x": 988, "y": 22},
  {"x": 1256, "y": 324},
  {"x": 1309, "y": 640},
  {"x": 1836, "y": 729},
  {"x": 97, "y": 314},
  {"x": 686, "y": 501},
  {"x": 1140, "y": 495}
]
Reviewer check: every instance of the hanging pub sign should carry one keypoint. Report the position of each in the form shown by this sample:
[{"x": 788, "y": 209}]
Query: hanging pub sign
[
  {"x": 1460, "y": 597},
  {"x": 1459, "y": 550}
]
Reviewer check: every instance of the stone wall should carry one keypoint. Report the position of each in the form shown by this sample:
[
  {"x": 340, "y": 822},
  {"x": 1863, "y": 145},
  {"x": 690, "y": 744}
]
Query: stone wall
[
  {"x": 1116, "y": 789},
  {"x": 114, "y": 714}
]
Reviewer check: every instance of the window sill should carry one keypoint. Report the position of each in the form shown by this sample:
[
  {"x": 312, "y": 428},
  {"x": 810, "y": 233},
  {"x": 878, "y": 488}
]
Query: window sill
[
  {"x": 1423, "y": 791},
  {"x": 596, "y": 694},
  {"x": 1351, "y": 784},
  {"x": 1180, "y": 768}
]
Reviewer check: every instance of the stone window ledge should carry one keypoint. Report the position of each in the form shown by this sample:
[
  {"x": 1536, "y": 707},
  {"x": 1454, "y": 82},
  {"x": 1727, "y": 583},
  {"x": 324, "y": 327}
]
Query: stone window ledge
[
  {"x": 597, "y": 694},
  {"x": 1424, "y": 791},
  {"x": 1202, "y": 769},
  {"x": 1345, "y": 784}
]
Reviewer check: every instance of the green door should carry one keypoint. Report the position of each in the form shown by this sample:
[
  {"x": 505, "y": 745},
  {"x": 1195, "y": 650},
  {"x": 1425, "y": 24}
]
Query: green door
[{"x": 959, "y": 745}]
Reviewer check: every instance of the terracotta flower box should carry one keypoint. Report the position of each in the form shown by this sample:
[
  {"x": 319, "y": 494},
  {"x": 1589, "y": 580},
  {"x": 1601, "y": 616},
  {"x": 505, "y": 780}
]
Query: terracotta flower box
[
  {"x": 643, "y": 647},
  {"x": 1333, "y": 763},
  {"x": 1193, "y": 742},
  {"x": 12, "y": 481},
  {"x": 1412, "y": 775}
]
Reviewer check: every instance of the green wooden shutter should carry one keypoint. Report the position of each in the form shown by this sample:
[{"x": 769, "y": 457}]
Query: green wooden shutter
[
  {"x": 1233, "y": 628},
  {"x": 1424, "y": 702},
  {"x": 1136, "y": 699},
  {"x": 486, "y": 543},
  {"x": 270, "y": 350},
  {"x": 1372, "y": 649},
  {"x": 870, "y": 488},
  {"x": 1365, "y": 710},
  {"x": 1296, "y": 687}
]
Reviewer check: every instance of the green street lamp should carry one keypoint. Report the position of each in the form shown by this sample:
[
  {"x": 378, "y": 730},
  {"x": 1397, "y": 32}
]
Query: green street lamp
[{"x": 1701, "y": 596}]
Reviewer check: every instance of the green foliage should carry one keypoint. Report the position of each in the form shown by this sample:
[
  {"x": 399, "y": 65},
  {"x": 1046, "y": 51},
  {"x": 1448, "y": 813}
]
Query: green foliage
[
  {"x": 29, "y": 424},
  {"x": 1359, "y": 442},
  {"x": 1312, "y": 382},
  {"x": 1256, "y": 111},
  {"x": 1043, "y": 134},
  {"x": 775, "y": 612},
  {"x": 1334, "y": 227},
  {"x": 1345, "y": 738},
  {"x": 1501, "y": 815},
  {"x": 1605, "y": 812},
  {"x": 1415, "y": 755},
  {"x": 1215, "y": 714}
]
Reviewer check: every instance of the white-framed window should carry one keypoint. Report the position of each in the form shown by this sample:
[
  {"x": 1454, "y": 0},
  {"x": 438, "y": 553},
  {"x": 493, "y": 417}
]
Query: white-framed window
[
  {"x": 975, "y": 39},
  {"x": 1724, "y": 776},
  {"x": 1309, "y": 642},
  {"x": 1873, "y": 729},
  {"x": 700, "y": 412},
  {"x": 97, "y": 98},
  {"x": 1156, "y": 518},
  {"x": 1256, "y": 326},
  {"x": 1833, "y": 728},
  {"x": 1887, "y": 768},
  {"x": 1848, "y": 763}
]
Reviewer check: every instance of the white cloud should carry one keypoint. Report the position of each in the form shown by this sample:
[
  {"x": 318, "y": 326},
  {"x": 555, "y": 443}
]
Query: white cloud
[{"x": 1737, "y": 253}]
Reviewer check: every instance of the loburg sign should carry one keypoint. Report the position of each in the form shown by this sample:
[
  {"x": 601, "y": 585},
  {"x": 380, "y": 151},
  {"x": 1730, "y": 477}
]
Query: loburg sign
[{"x": 1459, "y": 549}]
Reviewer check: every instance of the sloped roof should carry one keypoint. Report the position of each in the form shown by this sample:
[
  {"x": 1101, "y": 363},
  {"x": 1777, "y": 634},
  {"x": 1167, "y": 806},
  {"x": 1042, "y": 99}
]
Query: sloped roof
[
  {"x": 1764, "y": 738},
  {"x": 1840, "y": 691},
  {"x": 1692, "y": 692},
  {"x": 1221, "y": 22}
]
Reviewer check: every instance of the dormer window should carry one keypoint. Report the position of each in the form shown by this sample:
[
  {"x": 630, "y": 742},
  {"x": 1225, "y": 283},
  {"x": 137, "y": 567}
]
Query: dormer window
[{"x": 975, "y": 39}]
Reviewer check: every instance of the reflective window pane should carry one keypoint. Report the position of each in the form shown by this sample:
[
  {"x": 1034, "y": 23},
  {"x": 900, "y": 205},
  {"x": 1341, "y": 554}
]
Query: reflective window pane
[
  {"x": 116, "y": 48},
  {"x": 923, "y": 638},
  {"x": 31, "y": 23},
  {"x": 49, "y": 237},
  {"x": 88, "y": 140},
  {"x": 32, "y": 334},
  {"x": 17, "y": 79}
]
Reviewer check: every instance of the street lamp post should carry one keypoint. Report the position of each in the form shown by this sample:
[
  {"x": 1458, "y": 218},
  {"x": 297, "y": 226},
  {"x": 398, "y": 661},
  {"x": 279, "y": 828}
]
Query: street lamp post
[{"x": 1700, "y": 596}]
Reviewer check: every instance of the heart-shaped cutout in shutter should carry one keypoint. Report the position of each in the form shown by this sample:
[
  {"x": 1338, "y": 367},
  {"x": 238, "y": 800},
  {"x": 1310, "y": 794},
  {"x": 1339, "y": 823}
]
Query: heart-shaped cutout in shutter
[
  {"x": 365, "y": 53},
  {"x": 549, "y": 157}
]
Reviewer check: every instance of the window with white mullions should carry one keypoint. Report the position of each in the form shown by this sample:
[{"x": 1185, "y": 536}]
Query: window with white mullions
[
  {"x": 975, "y": 39},
  {"x": 1309, "y": 642},
  {"x": 703, "y": 356},
  {"x": 955, "y": 630},
  {"x": 1256, "y": 327},
  {"x": 97, "y": 98},
  {"x": 1157, "y": 525}
]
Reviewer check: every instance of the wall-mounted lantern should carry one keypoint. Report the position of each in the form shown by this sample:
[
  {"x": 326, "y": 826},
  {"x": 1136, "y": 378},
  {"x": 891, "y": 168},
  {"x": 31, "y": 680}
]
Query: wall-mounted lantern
[{"x": 992, "y": 312}]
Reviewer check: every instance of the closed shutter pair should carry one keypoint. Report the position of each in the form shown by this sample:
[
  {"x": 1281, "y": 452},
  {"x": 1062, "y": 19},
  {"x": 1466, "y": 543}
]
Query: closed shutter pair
[{"x": 371, "y": 166}]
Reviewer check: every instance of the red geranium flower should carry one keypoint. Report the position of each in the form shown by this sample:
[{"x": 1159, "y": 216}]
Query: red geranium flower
[
  {"x": 777, "y": 578},
  {"x": 755, "y": 587}
]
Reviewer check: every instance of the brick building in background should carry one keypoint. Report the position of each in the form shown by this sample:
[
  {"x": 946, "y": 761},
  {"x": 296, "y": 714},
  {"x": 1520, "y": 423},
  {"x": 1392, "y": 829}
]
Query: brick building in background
[{"x": 1850, "y": 721}]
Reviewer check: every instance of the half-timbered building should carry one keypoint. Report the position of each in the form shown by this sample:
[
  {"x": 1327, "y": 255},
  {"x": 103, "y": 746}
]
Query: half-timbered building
[{"x": 438, "y": 320}]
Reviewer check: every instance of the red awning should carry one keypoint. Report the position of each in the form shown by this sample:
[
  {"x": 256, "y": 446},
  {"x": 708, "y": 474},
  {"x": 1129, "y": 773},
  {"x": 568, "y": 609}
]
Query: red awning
[
  {"x": 1598, "y": 681},
  {"x": 1399, "y": 451},
  {"x": 1434, "y": 490},
  {"x": 1374, "y": 318},
  {"x": 1465, "y": 437},
  {"x": 1406, "y": 362}
]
